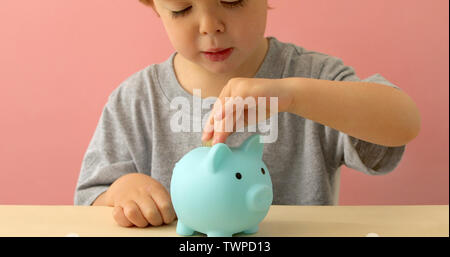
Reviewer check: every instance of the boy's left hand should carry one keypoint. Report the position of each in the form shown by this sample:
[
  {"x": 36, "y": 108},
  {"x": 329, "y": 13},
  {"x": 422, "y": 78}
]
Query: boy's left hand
[{"x": 224, "y": 111}]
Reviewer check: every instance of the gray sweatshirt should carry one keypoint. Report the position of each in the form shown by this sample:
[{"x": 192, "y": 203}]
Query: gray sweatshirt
[{"x": 134, "y": 133}]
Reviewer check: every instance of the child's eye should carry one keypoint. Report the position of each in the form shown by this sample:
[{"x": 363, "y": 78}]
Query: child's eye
[
  {"x": 239, "y": 3},
  {"x": 234, "y": 4},
  {"x": 176, "y": 14}
]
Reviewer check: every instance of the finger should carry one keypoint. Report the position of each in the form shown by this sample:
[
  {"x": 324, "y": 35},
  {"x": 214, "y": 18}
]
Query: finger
[
  {"x": 252, "y": 116},
  {"x": 120, "y": 218},
  {"x": 208, "y": 130},
  {"x": 236, "y": 105},
  {"x": 234, "y": 120},
  {"x": 133, "y": 214},
  {"x": 164, "y": 203},
  {"x": 221, "y": 137},
  {"x": 240, "y": 112},
  {"x": 220, "y": 130},
  {"x": 219, "y": 105},
  {"x": 243, "y": 121},
  {"x": 246, "y": 118},
  {"x": 149, "y": 210},
  {"x": 228, "y": 120},
  {"x": 233, "y": 115},
  {"x": 225, "y": 109}
]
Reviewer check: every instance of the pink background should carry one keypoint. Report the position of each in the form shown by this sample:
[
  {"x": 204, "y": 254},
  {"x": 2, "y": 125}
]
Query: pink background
[{"x": 59, "y": 61}]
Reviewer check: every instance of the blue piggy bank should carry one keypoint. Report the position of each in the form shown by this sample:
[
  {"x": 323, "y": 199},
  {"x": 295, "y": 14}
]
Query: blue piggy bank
[{"x": 220, "y": 191}]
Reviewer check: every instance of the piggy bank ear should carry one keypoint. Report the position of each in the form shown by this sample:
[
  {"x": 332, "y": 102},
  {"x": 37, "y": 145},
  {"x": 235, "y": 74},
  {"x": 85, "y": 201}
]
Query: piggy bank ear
[
  {"x": 253, "y": 146},
  {"x": 216, "y": 156}
]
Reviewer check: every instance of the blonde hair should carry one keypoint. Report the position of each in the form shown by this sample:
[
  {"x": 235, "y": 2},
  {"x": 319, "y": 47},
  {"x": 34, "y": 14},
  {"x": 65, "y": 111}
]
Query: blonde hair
[
  {"x": 149, "y": 3},
  {"x": 146, "y": 2}
]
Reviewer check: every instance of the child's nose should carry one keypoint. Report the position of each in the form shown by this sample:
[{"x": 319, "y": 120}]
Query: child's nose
[{"x": 210, "y": 24}]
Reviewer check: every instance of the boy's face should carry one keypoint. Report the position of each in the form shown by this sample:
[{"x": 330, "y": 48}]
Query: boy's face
[{"x": 207, "y": 24}]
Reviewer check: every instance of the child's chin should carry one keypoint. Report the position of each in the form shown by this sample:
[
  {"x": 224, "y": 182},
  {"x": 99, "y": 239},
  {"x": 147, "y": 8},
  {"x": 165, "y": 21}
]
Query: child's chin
[{"x": 219, "y": 67}]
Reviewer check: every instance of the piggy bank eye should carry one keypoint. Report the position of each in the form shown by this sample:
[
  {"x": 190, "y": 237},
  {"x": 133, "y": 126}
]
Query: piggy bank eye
[
  {"x": 238, "y": 175},
  {"x": 263, "y": 171}
]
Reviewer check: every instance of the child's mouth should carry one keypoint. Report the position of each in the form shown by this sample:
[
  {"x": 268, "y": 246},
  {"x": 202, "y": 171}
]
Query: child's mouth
[{"x": 218, "y": 56}]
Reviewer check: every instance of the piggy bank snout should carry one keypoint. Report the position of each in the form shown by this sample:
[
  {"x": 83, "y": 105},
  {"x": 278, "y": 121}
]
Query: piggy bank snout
[{"x": 259, "y": 197}]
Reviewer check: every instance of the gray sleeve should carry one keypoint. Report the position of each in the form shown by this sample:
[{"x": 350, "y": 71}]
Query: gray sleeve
[
  {"x": 372, "y": 159},
  {"x": 107, "y": 157}
]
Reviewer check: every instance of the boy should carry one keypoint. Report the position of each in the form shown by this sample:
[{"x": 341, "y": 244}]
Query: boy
[{"x": 326, "y": 115}]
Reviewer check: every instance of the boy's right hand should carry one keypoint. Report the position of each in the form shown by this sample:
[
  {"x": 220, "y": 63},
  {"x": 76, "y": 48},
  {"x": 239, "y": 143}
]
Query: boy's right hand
[{"x": 140, "y": 200}]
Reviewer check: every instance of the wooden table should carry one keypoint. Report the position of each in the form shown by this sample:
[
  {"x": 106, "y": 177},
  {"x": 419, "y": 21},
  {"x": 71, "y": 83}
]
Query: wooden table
[{"x": 296, "y": 221}]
